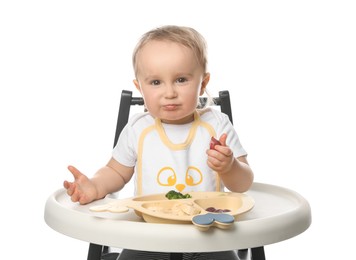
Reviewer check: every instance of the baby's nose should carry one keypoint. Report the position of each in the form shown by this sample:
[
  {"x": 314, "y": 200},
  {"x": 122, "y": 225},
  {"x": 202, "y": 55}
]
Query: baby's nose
[{"x": 171, "y": 91}]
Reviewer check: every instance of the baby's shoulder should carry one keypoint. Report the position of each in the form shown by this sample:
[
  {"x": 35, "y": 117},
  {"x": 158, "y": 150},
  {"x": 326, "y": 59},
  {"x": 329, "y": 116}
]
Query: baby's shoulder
[
  {"x": 211, "y": 114},
  {"x": 140, "y": 120}
]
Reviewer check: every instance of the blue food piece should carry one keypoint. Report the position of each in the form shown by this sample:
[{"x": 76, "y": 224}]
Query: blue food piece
[
  {"x": 224, "y": 218},
  {"x": 209, "y": 218},
  {"x": 204, "y": 220}
]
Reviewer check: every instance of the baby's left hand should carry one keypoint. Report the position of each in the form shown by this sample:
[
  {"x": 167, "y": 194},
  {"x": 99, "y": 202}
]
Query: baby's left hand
[{"x": 221, "y": 158}]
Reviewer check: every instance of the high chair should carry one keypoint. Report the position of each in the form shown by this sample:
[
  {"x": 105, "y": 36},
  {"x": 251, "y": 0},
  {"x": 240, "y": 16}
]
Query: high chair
[{"x": 102, "y": 252}]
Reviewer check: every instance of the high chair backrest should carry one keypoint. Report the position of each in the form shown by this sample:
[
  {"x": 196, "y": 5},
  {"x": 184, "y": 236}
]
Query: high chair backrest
[{"x": 127, "y": 100}]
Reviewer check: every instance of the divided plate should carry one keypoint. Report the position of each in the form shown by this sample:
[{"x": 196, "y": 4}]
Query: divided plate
[{"x": 157, "y": 208}]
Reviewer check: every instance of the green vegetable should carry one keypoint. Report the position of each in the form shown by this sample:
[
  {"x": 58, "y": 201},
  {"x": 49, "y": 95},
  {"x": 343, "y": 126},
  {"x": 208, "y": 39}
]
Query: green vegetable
[{"x": 174, "y": 195}]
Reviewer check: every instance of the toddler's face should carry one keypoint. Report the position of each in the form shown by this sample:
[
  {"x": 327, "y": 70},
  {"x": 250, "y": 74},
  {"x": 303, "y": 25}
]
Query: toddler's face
[{"x": 170, "y": 80}]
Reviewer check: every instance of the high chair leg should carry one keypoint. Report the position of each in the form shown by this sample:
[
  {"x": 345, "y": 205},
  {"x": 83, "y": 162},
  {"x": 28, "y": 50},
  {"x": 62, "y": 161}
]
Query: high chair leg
[
  {"x": 258, "y": 253},
  {"x": 94, "y": 252},
  {"x": 243, "y": 254},
  {"x": 176, "y": 256}
]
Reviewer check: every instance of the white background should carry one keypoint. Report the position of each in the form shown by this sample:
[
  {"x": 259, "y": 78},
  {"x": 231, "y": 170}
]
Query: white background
[{"x": 289, "y": 66}]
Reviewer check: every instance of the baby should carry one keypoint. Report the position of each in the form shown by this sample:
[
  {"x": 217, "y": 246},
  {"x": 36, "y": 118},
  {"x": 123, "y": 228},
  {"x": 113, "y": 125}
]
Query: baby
[{"x": 167, "y": 147}]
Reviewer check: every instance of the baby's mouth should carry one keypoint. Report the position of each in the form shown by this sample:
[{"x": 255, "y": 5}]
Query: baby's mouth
[{"x": 170, "y": 107}]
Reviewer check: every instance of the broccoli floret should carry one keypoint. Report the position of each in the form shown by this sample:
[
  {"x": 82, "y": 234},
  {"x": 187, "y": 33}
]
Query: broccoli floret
[
  {"x": 174, "y": 195},
  {"x": 187, "y": 196}
]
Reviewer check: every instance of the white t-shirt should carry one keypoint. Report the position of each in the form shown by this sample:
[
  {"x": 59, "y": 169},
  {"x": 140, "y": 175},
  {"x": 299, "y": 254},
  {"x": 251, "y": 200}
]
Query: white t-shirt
[{"x": 173, "y": 157}]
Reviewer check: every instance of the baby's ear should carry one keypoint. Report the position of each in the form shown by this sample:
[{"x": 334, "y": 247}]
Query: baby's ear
[
  {"x": 204, "y": 83},
  {"x": 137, "y": 85}
]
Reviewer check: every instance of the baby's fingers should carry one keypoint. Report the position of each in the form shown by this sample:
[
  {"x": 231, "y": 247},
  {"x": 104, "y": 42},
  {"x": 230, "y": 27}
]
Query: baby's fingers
[
  {"x": 74, "y": 193},
  {"x": 66, "y": 185},
  {"x": 75, "y": 196},
  {"x": 76, "y": 173},
  {"x": 70, "y": 186},
  {"x": 222, "y": 139}
]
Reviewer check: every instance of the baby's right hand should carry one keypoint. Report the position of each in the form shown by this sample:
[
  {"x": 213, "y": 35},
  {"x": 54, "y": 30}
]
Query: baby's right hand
[{"x": 82, "y": 190}]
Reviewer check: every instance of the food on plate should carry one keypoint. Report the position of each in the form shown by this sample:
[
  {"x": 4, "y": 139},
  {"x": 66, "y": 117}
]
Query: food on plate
[
  {"x": 214, "y": 210},
  {"x": 214, "y": 142},
  {"x": 174, "y": 195},
  {"x": 178, "y": 209},
  {"x": 181, "y": 209}
]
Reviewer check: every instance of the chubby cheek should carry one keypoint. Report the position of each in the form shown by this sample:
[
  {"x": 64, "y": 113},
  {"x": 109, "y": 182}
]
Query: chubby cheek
[
  {"x": 151, "y": 108},
  {"x": 192, "y": 102},
  {"x": 151, "y": 104}
]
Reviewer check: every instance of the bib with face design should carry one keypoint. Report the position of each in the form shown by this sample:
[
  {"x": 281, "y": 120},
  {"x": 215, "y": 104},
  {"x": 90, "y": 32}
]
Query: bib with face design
[{"x": 175, "y": 166}]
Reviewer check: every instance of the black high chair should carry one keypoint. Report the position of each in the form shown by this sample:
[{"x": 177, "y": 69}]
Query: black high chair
[{"x": 102, "y": 252}]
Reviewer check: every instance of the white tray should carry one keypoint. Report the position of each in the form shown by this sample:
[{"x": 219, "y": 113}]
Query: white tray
[{"x": 278, "y": 214}]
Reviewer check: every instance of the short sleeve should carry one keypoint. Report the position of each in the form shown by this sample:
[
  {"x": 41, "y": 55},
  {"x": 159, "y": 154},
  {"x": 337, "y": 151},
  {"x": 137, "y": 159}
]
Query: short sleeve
[{"x": 124, "y": 151}]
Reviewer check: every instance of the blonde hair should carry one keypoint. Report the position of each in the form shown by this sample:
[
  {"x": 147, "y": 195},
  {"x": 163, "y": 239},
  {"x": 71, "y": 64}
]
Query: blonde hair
[{"x": 186, "y": 36}]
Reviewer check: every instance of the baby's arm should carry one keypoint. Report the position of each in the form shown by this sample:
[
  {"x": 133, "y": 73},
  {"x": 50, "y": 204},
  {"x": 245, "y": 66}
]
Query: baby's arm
[
  {"x": 235, "y": 173},
  {"x": 108, "y": 179}
]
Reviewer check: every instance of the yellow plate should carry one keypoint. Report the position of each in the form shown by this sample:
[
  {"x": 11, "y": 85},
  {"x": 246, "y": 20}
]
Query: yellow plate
[{"x": 156, "y": 208}]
